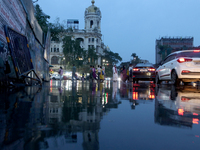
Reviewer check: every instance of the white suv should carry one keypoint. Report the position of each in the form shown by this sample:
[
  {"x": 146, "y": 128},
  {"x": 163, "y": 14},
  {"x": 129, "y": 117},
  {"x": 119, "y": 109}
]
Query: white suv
[{"x": 180, "y": 66}]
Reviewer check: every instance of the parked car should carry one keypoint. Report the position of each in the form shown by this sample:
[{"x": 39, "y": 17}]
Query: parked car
[
  {"x": 56, "y": 77},
  {"x": 144, "y": 72},
  {"x": 180, "y": 66}
]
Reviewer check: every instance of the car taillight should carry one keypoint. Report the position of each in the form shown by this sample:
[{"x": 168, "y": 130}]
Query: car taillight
[
  {"x": 185, "y": 99},
  {"x": 185, "y": 71},
  {"x": 196, "y": 51},
  {"x": 182, "y": 60},
  {"x": 152, "y": 69},
  {"x": 136, "y": 69}
]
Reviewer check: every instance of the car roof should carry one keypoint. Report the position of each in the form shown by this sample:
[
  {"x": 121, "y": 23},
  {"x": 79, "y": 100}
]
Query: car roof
[{"x": 177, "y": 52}]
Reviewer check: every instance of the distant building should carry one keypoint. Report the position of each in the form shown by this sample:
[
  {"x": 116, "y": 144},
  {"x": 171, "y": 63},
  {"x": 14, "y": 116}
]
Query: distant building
[
  {"x": 175, "y": 43},
  {"x": 90, "y": 36}
]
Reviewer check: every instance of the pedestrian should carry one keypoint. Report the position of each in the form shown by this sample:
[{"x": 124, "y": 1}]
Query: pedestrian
[
  {"x": 91, "y": 77},
  {"x": 98, "y": 72},
  {"x": 101, "y": 76},
  {"x": 74, "y": 72},
  {"x": 60, "y": 72},
  {"x": 115, "y": 75},
  {"x": 82, "y": 76},
  {"x": 124, "y": 74},
  {"x": 94, "y": 73},
  {"x": 130, "y": 72}
]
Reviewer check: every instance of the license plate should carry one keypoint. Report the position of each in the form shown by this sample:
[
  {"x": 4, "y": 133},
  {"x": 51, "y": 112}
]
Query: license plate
[{"x": 143, "y": 70}]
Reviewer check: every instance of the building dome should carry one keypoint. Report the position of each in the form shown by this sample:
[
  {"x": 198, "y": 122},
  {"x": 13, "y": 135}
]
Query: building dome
[{"x": 93, "y": 9}]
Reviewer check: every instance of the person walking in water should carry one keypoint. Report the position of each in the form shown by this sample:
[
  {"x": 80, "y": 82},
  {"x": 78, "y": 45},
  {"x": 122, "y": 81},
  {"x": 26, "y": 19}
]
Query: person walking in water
[
  {"x": 74, "y": 72},
  {"x": 99, "y": 72},
  {"x": 60, "y": 72},
  {"x": 115, "y": 75}
]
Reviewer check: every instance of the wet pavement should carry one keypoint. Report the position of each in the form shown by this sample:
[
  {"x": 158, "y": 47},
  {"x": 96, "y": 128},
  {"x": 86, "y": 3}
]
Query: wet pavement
[{"x": 92, "y": 116}]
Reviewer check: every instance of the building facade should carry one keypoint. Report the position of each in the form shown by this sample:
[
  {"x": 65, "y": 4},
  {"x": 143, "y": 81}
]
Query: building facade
[
  {"x": 90, "y": 36},
  {"x": 175, "y": 43}
]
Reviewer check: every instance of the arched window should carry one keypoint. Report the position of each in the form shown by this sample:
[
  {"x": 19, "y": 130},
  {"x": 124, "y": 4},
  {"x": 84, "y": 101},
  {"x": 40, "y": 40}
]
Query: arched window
[
  {"x": 54, "y": 60},
  {"x": 91, "y": 23}
]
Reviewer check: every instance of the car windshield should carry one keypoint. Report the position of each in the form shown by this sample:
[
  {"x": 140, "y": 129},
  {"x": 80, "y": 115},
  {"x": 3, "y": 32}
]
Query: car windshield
[{"x": 188, "y": 54}]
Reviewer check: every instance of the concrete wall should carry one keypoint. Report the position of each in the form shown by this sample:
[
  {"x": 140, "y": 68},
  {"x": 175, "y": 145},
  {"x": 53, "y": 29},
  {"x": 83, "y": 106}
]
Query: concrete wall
[{"x": 19, "y": 15}]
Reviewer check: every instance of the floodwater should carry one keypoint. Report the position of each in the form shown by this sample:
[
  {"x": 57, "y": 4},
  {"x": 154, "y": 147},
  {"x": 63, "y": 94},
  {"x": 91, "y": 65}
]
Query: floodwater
[{"x": 100, "y": 116}]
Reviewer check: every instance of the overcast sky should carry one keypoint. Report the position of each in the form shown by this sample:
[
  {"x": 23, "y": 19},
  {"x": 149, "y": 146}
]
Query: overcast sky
[{"x": 132, "y": 26}]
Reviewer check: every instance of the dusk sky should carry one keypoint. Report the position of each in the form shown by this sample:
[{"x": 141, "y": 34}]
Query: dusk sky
[{"x": 132, "y": 26}]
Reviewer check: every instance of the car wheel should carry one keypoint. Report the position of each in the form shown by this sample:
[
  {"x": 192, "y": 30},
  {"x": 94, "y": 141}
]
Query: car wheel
[
  {"x": 54, "y": 78},
  {"x": 174, "y": 78},
  {"x": 158, "y": 81}
]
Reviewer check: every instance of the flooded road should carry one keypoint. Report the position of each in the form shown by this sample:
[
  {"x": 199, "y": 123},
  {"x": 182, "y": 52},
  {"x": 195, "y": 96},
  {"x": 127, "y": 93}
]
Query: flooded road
[{"x": 92, "y": 116}]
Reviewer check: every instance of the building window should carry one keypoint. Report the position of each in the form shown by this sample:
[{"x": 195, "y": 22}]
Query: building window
[
  {"x": 54, "y": 49},
  {"x": 57, "y": 49},
  {"x": 91, "y": 23},
  {"x": 92, "y": 39},
  {"x": 97, "y": 40},
  {"x": 51, "y": 49},
  {"x": 89, "y": 40},
  {"x": 54, "y": 60}
]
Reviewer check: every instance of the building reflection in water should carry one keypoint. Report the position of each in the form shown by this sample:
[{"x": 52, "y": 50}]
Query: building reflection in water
[
  {"x": 144, "y": 92},
  {"x": 177, "y": 107},
  {"x": 52, "y": 117}
]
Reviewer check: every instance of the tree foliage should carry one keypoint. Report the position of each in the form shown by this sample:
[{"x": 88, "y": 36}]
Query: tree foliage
[
  {"x": 42, "y": 18},
  {"x": 73, "y": 52},
  {"x": 91, "y": 56},
  {"x": 111, "y": 59},
  {"x": 164, "y": 50},
  {"x": 135, "y": 59}
]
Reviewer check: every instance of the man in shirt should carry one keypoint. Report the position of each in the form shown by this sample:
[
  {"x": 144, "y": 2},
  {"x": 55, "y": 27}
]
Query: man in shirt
[{"x": 99, "y": 72}]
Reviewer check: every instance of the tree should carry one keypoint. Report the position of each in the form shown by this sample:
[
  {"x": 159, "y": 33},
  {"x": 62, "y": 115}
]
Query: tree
[
  {"x": 91, "y": 56},
  {"x": 164, "y": 50},
  {"x": 42, "y": 18},
  {"x": 72, "y": 51},
  {"x": 135, "y": 59},
  {"x": 111, "y": 58}
]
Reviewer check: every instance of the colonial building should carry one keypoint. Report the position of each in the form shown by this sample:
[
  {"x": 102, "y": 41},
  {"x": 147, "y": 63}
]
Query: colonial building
[
  {"x": 176, "y": 43},
  {"x": 90, "y": 36}
]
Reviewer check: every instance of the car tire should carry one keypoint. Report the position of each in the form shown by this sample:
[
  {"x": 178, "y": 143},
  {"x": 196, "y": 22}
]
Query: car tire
[
  {"x": 174, "y": 78},
  {"x": 54, "y": 78},
  {"x": 158, "y": 81}
]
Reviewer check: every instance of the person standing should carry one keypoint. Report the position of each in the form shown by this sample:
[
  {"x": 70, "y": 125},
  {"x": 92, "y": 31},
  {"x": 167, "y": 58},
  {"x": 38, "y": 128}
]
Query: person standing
[
  {"x": 99, "y": 72},
  {"x": 60, "y": 72},
  {"x": 74, "y": 72},
  {"x": 115, "y": 75},
  {"x": 91, "y": 78},
  {"x": 94, "y": 73},
  {"x": 101, "y": 75},
  {"x": 130, "y": 72}
]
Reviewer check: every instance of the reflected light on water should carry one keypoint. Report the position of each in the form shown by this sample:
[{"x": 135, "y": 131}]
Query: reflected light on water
[
  {"x": 135, "y": 95},
  {"x": 195, "y": 114},
  {"x": 180, "y": 112},
  {"x": 195, "y": 121}
]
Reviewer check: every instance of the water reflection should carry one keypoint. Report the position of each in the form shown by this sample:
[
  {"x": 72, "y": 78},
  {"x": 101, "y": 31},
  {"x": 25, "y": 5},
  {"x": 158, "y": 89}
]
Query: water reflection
[
  {"x": 177, "y": 107},
  {"x": 54, "y": 116},
  {"x": 143, "y": 92}
]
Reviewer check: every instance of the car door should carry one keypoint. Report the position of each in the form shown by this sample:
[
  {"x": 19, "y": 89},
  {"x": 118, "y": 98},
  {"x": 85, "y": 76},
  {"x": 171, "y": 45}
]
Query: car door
[
  {"x": 169, "y": 66},
  {"x": 163, "y": 70}
]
